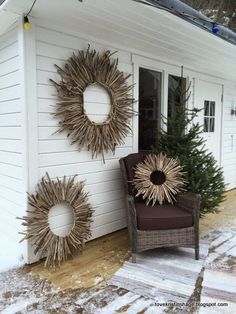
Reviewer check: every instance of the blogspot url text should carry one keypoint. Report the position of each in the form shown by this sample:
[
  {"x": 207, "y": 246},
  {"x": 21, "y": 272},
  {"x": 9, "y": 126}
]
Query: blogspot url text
[{"x": 196, "y": 304}]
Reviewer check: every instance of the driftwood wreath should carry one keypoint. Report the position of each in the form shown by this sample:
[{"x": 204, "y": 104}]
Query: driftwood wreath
[
  {"x": 46, "y": 243},
  {"x": 84, "y": 69},
  {"x": 158, "y": 178}
]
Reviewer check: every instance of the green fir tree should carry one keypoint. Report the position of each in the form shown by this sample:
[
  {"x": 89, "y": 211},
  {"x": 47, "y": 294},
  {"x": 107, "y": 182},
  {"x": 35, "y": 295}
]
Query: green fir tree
[{"x": 181, "y": 138}]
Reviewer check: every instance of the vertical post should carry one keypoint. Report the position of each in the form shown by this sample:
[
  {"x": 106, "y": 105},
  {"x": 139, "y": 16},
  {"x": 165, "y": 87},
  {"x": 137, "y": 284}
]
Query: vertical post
[
  {"x": 136, "y": 106},
  {"x": 27, "y": 54}
]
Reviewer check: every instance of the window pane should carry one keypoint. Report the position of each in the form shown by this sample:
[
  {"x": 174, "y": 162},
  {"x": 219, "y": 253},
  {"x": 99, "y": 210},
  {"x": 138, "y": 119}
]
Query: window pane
[
  {"x": 206, "y": 108},
  {"x": 176, "y": 91},
  {"x": 149, "y": 107},
  {"x": 206, "y": 124},
  {"x": 212, "y": 125},
  {"x": 212, "y": 110}
]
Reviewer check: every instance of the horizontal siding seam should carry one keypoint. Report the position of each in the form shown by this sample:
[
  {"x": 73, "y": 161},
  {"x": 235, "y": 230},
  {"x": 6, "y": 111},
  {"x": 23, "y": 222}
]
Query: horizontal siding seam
[
  {"x": 11, "y": 189},
  {"x": 8, "y": 73},
  {"x": 10, "y": 86},
  {"x": 5, "y": 198},
  {"x": 9, "y": 45},
  {"x": 6, "y": 60},
  {"x": 10, "y": 164},
  {"x": 10, "y": 99}
]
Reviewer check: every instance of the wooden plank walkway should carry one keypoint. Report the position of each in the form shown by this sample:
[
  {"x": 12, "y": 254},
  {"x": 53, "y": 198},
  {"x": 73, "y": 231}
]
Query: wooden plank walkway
[
  {"x": 164, "y": 275},
  {"x": 219, "y": 281}
]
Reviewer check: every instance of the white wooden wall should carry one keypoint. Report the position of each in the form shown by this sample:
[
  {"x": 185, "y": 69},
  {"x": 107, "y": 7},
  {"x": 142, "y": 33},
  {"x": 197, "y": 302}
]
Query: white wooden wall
[
  {"x": 12, "y": 192},
  {"x": 56, "y": 155},
  {"x": 52, "y": 153},
  {"x": 229, "y": 136}
]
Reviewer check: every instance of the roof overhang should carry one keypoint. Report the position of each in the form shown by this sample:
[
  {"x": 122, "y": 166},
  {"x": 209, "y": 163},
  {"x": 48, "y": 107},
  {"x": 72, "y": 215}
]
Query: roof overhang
[
  {"x": 193, "y": 16},
  {"x": 131, "y": 26}
]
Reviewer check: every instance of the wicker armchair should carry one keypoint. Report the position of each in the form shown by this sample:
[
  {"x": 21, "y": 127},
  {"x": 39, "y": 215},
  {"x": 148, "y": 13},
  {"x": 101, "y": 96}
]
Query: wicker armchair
[{"x": 161, "y": 225}]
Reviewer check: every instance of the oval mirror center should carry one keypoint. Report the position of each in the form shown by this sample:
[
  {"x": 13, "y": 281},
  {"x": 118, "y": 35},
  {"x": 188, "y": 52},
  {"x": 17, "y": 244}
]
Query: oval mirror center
[
  {"x": 61, "y": 219},
  {"x": 97, "y": 103}
]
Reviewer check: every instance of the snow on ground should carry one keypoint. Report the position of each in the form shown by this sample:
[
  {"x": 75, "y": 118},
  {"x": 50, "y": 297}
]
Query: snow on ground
[{"x": 22, "y": 292}]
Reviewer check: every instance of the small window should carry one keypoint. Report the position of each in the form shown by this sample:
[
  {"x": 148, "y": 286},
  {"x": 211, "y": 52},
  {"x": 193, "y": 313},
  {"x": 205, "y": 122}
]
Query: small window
[{"x": 209, "y": 116}]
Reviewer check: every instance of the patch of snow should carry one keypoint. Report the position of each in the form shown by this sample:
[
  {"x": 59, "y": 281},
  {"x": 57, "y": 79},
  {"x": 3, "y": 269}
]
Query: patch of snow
[
  {"x": 18, "y": 306},
  {"x": 98, "y": 279}
]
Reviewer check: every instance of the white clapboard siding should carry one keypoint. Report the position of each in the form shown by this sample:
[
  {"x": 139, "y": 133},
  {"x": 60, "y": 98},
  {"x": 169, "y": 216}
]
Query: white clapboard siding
[
  {"x": 14, "y": 210},
  {"x": 11, "y": 183},
  {"x": 101, "y": 176},
  {"x": 229, "y": 136},
  {"x": 11, "y": 170},
  {"x": 12, "y": 193},
  {"x": 101, "y": 198},
  {"x": 104, "y": 187},
  {"x": 10, "y": 226},
  {"x": 10, "y": 65},
  {"x": 9, "y": 52},
  {"x": 11, "y": 158},
  {"x": 82, "y": 168},
  {"x": 60, "y": 158},
  {"x": 14, "y": 146},
  {"x": 8, "y": 38},
  {"x": 108, "y": 217},
  {"x": 10, "y": 106},
  {"x": 108, "y": 228},
  {"x": 11, "y": 119},
  {"x": 56, "y": 155},
  {"x": 11, "y": 132},
  {"x": 72, "y": 43},
  {"x": 9, "y": 79},
  {"x": 9, "y": 93},
  {"x": 106, "y": 207},
  {"x": 50, "y": 133},
  {"x": 54, "y": 146}
]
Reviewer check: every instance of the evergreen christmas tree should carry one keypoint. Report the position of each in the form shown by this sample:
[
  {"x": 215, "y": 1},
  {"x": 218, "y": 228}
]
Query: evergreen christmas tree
[{"x": 181, "y": 138}]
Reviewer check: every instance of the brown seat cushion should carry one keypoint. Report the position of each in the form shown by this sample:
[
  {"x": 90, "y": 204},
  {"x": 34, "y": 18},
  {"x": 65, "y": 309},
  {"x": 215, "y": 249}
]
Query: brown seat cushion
[{"x": 164, "y": 216}]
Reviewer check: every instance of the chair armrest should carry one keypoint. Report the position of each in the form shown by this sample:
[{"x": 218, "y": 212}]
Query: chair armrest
[{"x": 191, "y": 202}]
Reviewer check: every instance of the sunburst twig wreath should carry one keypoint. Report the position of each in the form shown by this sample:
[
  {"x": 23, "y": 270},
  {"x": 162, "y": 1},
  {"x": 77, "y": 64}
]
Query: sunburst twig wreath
[
  {"x": 81, "y": 70},
  {"x": 50, "y": 193},
  {"x": 158, "y": 178}
]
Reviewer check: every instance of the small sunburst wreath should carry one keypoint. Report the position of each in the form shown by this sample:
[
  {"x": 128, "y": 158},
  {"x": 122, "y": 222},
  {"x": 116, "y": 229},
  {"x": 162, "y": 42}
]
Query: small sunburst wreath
[
  {"x": 158, "y": 179},
  {"x": 81, "y": 70},
  {"x": 46, "y": 243}
]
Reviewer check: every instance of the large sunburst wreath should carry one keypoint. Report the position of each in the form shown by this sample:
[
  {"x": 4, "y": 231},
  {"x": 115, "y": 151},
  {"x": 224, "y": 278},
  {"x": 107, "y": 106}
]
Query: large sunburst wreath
[
  {"x": 46, "y": 243},
  {"x": 158, "y": 179},
  {"x": 81, "y": 70}
]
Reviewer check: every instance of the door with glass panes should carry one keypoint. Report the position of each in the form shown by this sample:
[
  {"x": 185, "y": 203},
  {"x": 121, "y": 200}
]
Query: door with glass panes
[
  {"x": 208, "y": 97},
  {"x": 150, "y": 83},
  {"x": 150, "y": 88}
]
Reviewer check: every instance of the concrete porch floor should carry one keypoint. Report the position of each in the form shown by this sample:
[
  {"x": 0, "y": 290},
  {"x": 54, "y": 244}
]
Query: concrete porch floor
[{"x": 104, "y": 256}]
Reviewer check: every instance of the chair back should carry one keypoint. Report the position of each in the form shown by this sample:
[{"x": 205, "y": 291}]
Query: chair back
[{"x": 127, "y": 165}]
